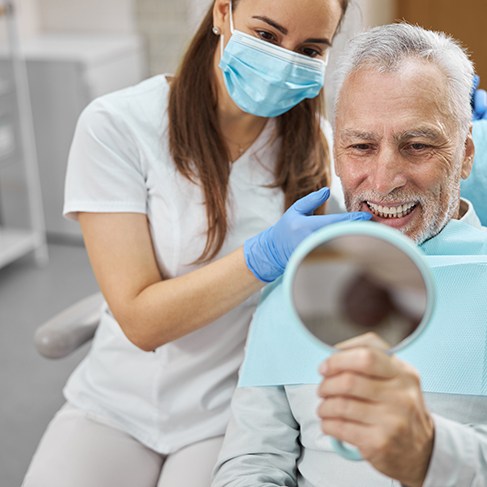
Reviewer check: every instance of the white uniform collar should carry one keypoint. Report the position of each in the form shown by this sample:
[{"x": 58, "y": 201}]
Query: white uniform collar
[{"x": 470, "y": 216}]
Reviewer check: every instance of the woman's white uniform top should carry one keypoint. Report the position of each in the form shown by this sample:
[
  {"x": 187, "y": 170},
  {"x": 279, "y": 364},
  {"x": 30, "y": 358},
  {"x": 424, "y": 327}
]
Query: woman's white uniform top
[{"x": 120, "y": 162}]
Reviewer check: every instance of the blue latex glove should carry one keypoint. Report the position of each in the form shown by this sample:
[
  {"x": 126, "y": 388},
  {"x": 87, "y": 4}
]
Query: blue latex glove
[
  {"x": 478, "y": 101},
  {"x": 267, "y": 253}
]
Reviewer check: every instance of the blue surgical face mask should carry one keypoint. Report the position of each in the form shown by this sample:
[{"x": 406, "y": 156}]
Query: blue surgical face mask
[{"x": 267, "y": 80}]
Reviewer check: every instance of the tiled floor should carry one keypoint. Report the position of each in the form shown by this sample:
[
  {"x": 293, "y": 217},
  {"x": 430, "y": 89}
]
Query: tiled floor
[{"x": 30, "y": 386}]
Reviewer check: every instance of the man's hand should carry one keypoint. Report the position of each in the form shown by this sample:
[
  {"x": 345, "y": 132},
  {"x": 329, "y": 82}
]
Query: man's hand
[{"x": 374, "y": 402}]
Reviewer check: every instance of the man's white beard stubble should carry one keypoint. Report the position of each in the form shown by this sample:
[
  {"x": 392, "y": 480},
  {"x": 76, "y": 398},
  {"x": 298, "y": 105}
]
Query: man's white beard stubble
[{"x": 433, "y": 219}]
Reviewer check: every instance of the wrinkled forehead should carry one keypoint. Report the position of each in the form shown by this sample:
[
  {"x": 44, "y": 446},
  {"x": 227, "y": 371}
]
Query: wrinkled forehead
[{"x": 415, "y": 96}]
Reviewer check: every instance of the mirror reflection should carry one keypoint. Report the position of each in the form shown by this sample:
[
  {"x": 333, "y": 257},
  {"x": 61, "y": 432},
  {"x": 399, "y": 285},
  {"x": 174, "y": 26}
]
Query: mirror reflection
[{"x": 355, "y": 284}]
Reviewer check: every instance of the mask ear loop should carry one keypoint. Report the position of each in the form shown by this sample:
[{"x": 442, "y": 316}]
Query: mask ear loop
[
  {"x": 222, "y": 37},
  {"x": 231, "y": 16},
  {"x": 327, "y": 57}
]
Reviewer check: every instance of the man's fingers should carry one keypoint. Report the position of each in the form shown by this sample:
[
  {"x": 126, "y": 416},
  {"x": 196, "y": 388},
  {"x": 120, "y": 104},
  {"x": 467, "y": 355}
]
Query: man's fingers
[
  {"x": 354, "y": 433},
  {"x": 351, "y": 385},
  {"x": 369, "y": 339},
  {"x": 367, "y": 361},
  {"x": 348, "y": 409}
]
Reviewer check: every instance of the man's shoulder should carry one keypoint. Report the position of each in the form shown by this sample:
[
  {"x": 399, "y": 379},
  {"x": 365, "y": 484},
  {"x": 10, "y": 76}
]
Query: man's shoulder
[{"x": 458, "y": 238}]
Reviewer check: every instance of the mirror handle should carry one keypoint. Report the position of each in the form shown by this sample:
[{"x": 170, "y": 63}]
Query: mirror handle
[{"x": 345, "y": 450}]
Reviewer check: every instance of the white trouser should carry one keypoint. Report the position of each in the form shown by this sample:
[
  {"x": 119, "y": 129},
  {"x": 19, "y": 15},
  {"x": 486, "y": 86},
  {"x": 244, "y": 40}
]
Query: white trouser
[{"x": 77, "y": 451}]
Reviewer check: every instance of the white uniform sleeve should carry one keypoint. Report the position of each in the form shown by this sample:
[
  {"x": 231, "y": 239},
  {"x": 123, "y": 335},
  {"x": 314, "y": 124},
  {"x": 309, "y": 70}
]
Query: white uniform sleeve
[
  {"x": 459, "y": 455},
  {"x": 104, "y": 172},
  {"x": 261, "y": 443}
]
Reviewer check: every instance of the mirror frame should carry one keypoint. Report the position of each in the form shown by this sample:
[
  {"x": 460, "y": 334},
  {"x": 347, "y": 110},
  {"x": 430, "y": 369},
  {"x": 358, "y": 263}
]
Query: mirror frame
[{"x": 371, "y": 229}]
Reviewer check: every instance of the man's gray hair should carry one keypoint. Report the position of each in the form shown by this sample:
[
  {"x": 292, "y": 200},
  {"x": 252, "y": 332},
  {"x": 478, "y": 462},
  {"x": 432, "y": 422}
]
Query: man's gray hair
[{"x": 385, "y": 48}]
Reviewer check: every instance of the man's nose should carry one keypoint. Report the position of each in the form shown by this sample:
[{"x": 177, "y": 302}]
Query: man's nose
[{"x": 388, "y": 172}]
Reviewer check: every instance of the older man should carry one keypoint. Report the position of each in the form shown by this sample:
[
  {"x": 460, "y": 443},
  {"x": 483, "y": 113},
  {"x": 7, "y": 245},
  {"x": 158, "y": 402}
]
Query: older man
[{"x": 402, "y": 145}]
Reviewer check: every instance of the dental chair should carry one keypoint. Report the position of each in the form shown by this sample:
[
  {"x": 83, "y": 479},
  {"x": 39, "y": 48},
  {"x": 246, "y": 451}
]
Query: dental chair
[
  {"x": 73, "y": 327},
  {"x": 474, "y": 188}
]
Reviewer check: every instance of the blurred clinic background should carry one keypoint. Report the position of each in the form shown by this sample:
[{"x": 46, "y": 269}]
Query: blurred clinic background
[{"x": 55, "y": 57}]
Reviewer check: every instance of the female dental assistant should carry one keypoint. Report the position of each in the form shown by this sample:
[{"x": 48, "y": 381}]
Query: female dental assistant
[{"x": 179, "y": 184}]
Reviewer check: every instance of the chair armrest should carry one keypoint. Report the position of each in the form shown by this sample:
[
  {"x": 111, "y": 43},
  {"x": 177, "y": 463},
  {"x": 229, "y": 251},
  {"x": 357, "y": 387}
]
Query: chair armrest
[{"x": 69, "y": 329}]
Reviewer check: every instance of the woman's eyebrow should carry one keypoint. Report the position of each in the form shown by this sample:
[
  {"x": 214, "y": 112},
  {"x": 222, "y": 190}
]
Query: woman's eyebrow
[
  {"x": 272, "y": 23},
  {"x": 284, "y": 31},
  {"x": 318, "y": 41}
]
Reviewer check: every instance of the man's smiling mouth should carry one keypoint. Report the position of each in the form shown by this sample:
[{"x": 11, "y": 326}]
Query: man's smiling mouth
[{"x": 397, "y": 211}]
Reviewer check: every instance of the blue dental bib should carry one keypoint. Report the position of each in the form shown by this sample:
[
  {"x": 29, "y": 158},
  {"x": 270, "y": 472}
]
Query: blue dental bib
[{"x": 450, "y": 354}]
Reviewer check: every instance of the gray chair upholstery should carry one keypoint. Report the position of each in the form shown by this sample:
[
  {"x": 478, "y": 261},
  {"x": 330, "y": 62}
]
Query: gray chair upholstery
[
  {"x": 69, "y": 329},
  {"x": 475, "y": 187}
]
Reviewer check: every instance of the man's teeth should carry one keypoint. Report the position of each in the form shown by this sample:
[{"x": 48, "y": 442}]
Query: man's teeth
[{"x": 391, "y": 211}]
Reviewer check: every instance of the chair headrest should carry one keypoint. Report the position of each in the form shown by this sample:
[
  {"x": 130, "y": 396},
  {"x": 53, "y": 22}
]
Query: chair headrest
[{"x": 474, "y": 188}]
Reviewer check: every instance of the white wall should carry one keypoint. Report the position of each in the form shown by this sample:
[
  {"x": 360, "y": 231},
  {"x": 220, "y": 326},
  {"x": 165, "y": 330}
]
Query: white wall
[
  {"x": 34, "y": 17},
  {"x": 28, "y": 17},
  {"x": 107, "y": 16},
  {"x": 119, "y": 16},
  {"x": 196, "y": 10},
  {"x": 164, "y": 26},
  {"x": 378, "y": 12}
]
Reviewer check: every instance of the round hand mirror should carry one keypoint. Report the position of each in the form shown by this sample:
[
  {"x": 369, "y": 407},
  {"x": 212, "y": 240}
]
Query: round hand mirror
[{"x": 350, "y": 279}]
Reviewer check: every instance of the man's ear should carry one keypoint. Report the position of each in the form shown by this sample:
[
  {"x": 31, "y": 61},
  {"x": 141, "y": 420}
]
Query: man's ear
[
  {"x": 221, "y": 11},
  {"x": 469, "y": 155}
]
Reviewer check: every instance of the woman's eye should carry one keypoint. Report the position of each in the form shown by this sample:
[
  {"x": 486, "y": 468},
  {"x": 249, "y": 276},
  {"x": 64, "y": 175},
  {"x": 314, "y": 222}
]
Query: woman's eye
[
  {"x": 310, "y": 52},
  {"x": 266, "y": 36}
]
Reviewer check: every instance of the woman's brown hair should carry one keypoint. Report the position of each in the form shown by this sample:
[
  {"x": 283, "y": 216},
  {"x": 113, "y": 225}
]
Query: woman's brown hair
[{"x": 201, "y": 154}]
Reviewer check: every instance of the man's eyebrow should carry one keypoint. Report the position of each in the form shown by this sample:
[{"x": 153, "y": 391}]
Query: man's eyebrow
[
  {"x": 421, "y": 132},
  {"x": 283, "y": 30},
  {"x": 358, "y": 134}
]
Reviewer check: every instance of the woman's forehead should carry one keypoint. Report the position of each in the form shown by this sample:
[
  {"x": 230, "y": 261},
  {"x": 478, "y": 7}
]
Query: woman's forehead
[{"x": 305, "y": 15}]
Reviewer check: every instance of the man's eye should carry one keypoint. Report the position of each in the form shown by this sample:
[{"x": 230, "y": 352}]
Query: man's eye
[
  {"x": 361, "y": 147},
  {"x": 417, "y": 147}
]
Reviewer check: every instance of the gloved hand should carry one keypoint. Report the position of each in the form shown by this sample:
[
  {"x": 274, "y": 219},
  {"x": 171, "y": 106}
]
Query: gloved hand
[
  {"x": 267, "y": 253},
  {"x": 478, "y": 101}
]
